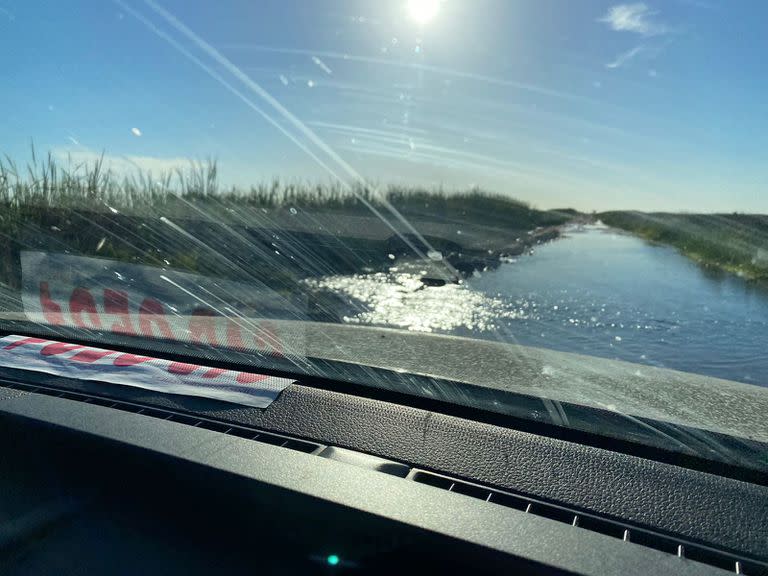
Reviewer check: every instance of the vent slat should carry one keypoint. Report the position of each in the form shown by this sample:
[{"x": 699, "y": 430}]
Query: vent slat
[
  {"x": 183, "y": 419},
  {"x": 509, "y": 500},
  {"x": 136, "y": 409},
  {"x": 242, "y": 433},
  {"x": 656, "y": 541},
  {"x": 710, "y": 557},
  {"x": 215, "y": 426},
  {"x": 272, "y": 439},
  {"x": 552, "y": 512},
  {"x": 470, "y": 490},
  {"x": 432, "y": 480}
]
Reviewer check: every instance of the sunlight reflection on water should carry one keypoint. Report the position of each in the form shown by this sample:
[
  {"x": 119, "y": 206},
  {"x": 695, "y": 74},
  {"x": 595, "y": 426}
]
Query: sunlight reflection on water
[{"x": 401, "y": 300}]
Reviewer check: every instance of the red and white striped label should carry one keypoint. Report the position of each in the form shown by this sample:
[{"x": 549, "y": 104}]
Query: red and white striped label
[{"x": 102, "y": 365}]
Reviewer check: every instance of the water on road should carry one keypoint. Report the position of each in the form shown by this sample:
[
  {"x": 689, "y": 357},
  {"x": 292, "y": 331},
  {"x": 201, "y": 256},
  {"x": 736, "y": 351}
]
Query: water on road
[{"x": 595, "y": 291}]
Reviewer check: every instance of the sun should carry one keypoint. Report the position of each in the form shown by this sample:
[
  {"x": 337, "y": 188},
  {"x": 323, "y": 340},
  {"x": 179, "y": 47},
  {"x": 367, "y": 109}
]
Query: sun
[{"x": 423, "y": 11}]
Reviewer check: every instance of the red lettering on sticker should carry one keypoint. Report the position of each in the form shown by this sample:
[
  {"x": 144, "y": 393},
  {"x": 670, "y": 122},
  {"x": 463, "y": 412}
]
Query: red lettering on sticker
[
  {"x": 57, "y": 348},
  {"x": 130, "y": 360},
  {"x": 181, "y": 368},
  {"x": 151, "y": 312},
  {"x": 24, "y": 342},
  {"x": 116, "y": 302},
  {"x": 91, "y": 355},
  {"x": 51, "y": 310},
  {"x": 213, "y": 373},
  {"x": 202, "y": 330},
  {"x": 81, "y": 301},
  {"x": 249, "y": 377},
  {"x": 234, "y": 336}
]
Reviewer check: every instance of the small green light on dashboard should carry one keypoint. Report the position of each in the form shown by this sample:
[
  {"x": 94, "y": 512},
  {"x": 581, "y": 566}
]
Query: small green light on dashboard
[{"x": 332, "y": 560}]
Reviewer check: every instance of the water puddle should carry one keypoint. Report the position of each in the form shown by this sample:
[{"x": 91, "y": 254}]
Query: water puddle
[{"x": 400, "y": 299}]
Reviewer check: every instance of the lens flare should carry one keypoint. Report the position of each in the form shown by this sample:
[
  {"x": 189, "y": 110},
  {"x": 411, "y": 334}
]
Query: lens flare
[{"x": 423, "y": 11}]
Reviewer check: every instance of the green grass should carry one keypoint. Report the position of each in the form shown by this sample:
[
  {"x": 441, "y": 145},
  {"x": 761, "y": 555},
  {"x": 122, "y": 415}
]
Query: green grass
[
  {"x": 53, "y": 205},
  {"x": 48, "y": 184},
  {"x": 736, "y": 243}
]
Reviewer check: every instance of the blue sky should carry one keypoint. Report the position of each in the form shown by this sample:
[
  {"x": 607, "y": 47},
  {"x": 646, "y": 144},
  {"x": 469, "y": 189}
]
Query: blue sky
[{"x": 592, "y": 104}]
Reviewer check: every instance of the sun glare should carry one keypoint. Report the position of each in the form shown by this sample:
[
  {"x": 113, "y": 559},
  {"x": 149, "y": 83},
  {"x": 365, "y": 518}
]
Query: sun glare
[{"x": 423, "y": 11}]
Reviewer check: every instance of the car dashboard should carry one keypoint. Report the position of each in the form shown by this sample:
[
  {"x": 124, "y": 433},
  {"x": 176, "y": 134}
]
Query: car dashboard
[{"x": 130, "y": 481}]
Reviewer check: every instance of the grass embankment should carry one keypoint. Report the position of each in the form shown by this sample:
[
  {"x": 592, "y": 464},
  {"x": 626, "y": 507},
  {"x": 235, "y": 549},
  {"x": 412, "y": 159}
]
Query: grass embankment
[
  {"x": 88, "y": 210},
  {"x": 737, "y": 243}
]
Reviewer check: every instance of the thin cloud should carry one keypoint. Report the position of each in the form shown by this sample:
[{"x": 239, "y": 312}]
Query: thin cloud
[
  {"x": 637, "y": 18},
  {"x": 647, "y": 52},
  {"x": 625, "y": 57}
]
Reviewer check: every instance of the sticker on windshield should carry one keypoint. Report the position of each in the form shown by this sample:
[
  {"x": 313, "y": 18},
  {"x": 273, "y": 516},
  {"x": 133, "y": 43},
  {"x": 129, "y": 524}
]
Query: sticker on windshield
[
  {"x": 102, "y": 365},
  {"x": 137, "y": 300}
]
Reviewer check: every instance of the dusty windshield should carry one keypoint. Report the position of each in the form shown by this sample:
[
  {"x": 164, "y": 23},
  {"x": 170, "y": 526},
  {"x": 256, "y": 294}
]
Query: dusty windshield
[{"x": 566, "y": 190}]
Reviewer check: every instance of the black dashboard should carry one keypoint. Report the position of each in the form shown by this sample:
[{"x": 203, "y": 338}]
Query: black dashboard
[{"x": 131, "y": 481}]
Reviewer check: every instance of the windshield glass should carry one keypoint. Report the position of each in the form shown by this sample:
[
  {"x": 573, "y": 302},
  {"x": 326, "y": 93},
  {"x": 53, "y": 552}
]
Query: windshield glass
[{"x": 562, "y": 199}]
